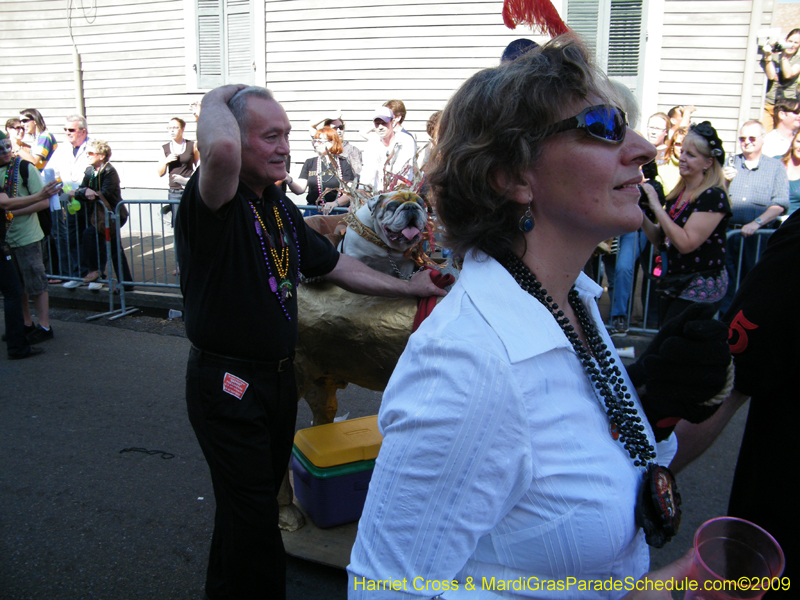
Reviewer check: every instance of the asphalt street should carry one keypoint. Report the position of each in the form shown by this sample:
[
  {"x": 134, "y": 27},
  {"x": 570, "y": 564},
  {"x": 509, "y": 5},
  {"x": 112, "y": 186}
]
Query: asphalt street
[{"x": 82, "y": 518}]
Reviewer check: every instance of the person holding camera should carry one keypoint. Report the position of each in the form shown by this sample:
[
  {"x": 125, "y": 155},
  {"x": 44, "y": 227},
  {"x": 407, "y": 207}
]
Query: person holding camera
[
  {"x": 691, "y": 226},
  {"x": 781, "y": 63}
]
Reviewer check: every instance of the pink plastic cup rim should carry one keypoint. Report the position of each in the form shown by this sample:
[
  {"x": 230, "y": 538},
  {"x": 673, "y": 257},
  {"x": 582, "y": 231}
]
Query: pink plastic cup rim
[{"x": 708, "y": 569}]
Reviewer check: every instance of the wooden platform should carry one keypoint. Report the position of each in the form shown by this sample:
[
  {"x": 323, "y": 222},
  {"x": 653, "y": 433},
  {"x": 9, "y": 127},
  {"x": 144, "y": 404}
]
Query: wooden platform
[{"x": 329, "y": 546}]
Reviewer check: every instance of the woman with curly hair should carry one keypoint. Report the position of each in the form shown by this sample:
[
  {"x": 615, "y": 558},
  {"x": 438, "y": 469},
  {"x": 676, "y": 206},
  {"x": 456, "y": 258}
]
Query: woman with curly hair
[
  {"x": 691, "y": 228},
  {"x": 503, "y": 458}
]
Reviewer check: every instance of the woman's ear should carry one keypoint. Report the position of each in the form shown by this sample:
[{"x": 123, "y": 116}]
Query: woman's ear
[{"x": 518, "y": 188}]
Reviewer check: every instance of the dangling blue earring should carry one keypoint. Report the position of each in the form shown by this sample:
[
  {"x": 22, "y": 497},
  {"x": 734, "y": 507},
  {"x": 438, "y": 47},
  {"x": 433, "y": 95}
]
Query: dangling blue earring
[{"x": 526, "y": 221}]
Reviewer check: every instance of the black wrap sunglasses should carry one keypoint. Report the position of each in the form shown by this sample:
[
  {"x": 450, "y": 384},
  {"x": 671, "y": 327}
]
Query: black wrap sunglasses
[{"x": 604, "y": 122}]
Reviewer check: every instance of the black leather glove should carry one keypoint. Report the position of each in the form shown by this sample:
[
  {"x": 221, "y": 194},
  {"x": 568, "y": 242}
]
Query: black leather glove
[{"x": 684, "y": 367}]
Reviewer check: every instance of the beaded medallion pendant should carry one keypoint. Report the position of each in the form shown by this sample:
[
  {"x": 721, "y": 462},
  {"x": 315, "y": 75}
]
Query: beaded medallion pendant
[{"x": 281, "y": 256}]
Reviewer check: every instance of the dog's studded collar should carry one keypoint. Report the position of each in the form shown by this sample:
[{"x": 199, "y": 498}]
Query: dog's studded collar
[{"x": 365, "y": 232}]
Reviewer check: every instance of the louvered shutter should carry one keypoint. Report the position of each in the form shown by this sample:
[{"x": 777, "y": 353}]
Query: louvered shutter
[
  {"x": 613, "y": 30},
  {"x": 239, "y": 42},
  {"x": 583, "y": 17},
  {"x": 224, "y": 42},
  {"x": 624, "y": 40},
  {"x": 209, "y": 44}
]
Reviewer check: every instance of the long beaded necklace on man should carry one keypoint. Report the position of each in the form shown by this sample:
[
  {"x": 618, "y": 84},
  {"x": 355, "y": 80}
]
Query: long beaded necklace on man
[
  {"x": 320, "y": 168},
  {"x": 625, "y": 424},
  {"x": 282, "y": 258},
  {"x": 11, "y": 185},
  {"x": 11, "y": 178}
]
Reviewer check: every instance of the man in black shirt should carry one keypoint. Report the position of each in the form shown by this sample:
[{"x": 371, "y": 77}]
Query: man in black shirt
[
  {"x": 241, "y": 246},
  {"x": 764, "y": 334}
]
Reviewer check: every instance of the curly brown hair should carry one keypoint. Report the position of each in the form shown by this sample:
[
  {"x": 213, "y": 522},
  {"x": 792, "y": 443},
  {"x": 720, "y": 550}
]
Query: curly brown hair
[{"x": 496, "y": 123}]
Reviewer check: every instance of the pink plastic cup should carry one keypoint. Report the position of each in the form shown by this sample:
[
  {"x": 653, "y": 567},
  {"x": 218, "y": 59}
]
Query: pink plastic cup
[{"x": 728, "y": 551}]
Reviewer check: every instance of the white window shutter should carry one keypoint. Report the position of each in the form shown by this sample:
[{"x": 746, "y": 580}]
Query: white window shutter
[
  {"x": 224, "y": 42},
  {"x": 583, "y": 17},
  {"x": 209, "y": 44},
  {"x": 624, "y": 40},
  {"x": 239, "y": 42},
  {"x": 614, "y": 31}
]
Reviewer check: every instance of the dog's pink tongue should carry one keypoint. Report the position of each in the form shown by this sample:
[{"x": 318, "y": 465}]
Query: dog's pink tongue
[{"x": 410, "y": 232}]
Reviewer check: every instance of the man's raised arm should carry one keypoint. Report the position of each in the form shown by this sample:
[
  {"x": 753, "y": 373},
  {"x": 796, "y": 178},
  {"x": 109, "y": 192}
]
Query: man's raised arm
[{"x": 220, "y": 143}]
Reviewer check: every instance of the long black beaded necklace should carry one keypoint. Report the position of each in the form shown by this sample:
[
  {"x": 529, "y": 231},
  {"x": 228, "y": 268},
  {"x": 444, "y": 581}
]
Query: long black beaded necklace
[{"x": 661, "y": 515}]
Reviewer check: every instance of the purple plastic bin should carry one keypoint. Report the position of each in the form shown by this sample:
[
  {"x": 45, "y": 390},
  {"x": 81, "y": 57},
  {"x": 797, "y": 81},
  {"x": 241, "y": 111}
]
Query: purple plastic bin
[{"x": 332, "y": 496}]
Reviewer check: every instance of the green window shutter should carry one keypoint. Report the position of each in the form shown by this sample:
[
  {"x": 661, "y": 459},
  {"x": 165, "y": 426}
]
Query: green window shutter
[
  {"x": 224, "y": 42},
  {"x": 209, "y": 44},
  {"x": 624, "y": 41},
  {"x": 239, "y": 42}
]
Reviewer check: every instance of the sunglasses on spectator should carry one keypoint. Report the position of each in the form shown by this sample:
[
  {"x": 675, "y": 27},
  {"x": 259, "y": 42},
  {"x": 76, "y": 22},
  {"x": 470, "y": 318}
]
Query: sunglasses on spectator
[
  {"x": 90, "y": 153},
  {"x": 339, "y": 127},
  {"x": 604, "y": 122},
  {"x": 18, "y": 128},
  {"x": 71, "y": 130},
  {"x": 26, "y": 120},
  {"x": 752, "y": 139}
]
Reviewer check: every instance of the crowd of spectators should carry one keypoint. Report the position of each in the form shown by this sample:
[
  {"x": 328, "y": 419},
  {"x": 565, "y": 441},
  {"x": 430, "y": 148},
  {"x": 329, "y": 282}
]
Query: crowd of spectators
[
  {"x": 689, "y": 211},
  {"x": 389, "y": 155},
  {"x": 61, "y": 226},
  {"x": 761, "y": 185}
]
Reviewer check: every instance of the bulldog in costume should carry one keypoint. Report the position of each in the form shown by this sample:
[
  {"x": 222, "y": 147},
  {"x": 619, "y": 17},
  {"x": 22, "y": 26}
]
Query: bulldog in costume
[{"x": 386, "y": 232}]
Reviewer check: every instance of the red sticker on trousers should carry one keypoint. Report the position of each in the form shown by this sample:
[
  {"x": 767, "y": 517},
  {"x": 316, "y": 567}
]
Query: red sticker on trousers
[{"x": 234, "y": 386}]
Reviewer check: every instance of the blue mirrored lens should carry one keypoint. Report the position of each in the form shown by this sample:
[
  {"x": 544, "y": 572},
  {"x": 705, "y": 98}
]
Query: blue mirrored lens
[{"x": 606, "y": 123}]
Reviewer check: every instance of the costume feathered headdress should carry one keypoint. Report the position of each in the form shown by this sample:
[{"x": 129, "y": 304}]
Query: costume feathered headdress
[{"x": 539, "y": 15}]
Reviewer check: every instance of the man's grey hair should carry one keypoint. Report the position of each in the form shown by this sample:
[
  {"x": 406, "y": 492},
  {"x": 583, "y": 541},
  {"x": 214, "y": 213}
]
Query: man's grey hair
[
  {"x": 755, "y": 122},
  {"x": 627, "y": 102},
  {"x": 80, "y": 120},
  {"x": 238, "y": 104}
]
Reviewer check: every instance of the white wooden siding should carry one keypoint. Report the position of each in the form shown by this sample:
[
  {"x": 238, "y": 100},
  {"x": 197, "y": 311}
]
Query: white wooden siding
[
  {"x": 351, "y": 56},
  {"x": 133, "y": 62},
  {"x": 354, "y": 55},
  {"x": 703, "y": 54}
]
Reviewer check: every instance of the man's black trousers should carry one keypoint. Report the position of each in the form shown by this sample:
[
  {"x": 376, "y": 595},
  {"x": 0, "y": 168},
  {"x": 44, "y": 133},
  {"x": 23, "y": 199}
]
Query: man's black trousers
[{"x": 247, "y": 443}]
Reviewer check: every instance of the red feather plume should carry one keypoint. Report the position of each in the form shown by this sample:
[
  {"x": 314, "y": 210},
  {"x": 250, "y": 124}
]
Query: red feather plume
[{"x": 537, "y": 14}]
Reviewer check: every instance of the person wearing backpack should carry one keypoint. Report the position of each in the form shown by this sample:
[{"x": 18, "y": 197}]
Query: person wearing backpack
[{"x": 23, "y": 237}]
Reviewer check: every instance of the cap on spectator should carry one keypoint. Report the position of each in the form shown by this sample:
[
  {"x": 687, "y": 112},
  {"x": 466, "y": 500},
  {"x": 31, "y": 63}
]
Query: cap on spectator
[
  {"x": 516, "y": 49},
  {"x": 384, "y": 113}
]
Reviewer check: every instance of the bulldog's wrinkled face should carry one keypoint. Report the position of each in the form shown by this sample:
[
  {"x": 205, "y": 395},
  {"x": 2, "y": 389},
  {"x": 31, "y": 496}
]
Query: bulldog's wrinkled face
[{"x": 400, "y": 218}]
